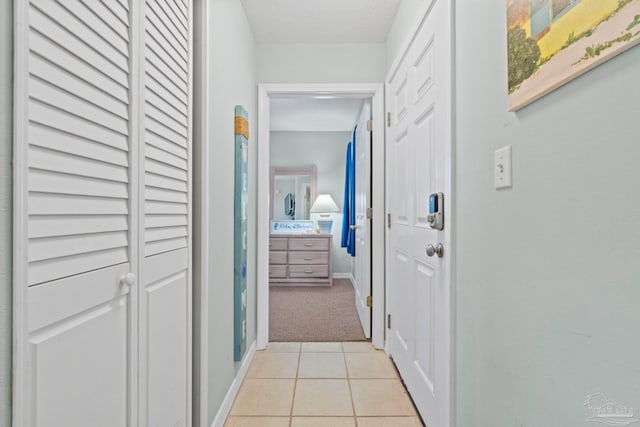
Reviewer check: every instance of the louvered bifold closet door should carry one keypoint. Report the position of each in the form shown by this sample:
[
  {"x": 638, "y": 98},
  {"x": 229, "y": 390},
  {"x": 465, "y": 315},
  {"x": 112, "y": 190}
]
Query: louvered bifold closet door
[
  {"x": 165, "y": 299},
  {"x": 78, "y": 219}
]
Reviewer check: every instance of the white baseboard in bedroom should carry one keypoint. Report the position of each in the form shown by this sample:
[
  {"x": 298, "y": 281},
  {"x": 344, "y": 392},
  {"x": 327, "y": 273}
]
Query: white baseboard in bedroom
[
  {"x": 225, "y": 407},
  {"x": 345, "y": 276}
]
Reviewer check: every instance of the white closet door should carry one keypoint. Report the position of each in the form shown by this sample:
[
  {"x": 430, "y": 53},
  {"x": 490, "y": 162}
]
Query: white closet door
[
  {"x": 77, "y": 215},
  {"x": 103, "y": 194},
  {"x": 165, "y": 298}
]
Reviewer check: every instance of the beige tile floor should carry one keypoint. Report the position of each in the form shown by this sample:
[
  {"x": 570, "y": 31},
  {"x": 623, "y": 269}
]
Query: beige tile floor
[{"x": 322, "y": 385}]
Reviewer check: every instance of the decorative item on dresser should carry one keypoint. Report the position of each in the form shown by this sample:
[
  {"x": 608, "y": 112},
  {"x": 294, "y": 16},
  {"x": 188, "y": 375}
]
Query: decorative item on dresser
[{"x": 300, "y": 260}]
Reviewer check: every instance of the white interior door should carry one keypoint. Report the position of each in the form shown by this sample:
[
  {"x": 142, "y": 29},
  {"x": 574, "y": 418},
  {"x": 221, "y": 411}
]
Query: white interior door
[
  {"x": 76, "y": 181},
  {"x": 165, "y": 288},
  {"x": 419, "y": 153},
  {"x": 363, "y": 231},
  {"x": 103, "y": 213}
]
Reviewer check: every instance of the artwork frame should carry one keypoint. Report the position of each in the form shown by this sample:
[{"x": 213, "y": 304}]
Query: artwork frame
[{"x": 551, "y": 42}]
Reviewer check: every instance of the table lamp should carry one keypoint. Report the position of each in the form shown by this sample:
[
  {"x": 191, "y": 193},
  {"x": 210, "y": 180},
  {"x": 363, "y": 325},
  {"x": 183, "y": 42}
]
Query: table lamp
[{"x": 324, "y": 206}]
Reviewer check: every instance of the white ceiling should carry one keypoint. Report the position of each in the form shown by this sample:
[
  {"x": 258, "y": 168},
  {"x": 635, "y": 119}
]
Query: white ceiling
[
  {"x": 314, "y": 115},
  {"x": 320, "y": 21}
]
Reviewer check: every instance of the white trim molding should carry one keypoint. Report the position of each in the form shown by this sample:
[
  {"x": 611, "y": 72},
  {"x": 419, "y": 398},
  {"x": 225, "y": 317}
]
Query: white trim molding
[
  {"x": 375, "y": 91},
  {"x": 343, "y": 276},
  {"x": 20, "y": 67},
  {"x": 225, "y": 407},
  {"x": 201, "y": 210}
]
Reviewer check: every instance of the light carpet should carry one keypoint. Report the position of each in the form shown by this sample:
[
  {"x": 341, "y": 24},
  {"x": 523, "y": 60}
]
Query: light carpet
[{"x": 314, "y": 313}]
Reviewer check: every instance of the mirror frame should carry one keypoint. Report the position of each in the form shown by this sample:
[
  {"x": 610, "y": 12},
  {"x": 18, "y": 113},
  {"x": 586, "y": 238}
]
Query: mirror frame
[{"x": 289, "y": 171}]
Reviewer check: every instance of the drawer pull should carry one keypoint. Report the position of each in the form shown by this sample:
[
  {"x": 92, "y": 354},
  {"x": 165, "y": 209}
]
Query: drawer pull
[
  {"x": 308, "y": 244},
  {"x": 308, "y": 272},
  {"x": 308, "y": 259}
]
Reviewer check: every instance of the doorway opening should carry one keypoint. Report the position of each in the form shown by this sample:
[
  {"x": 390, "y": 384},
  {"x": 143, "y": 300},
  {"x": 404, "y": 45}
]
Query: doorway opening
[{"x": 293, "y": 195}]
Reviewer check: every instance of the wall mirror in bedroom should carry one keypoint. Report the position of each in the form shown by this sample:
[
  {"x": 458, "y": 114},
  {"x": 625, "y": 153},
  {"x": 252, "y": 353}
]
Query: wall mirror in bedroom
[{"x": 292, "y": 192}]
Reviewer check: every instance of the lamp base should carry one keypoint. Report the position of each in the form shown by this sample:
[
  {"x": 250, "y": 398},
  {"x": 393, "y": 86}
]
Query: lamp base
[{"x": 324, "y": 225}]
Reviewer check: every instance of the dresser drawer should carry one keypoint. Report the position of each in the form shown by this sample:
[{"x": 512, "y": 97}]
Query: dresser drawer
[
  {"x": 308, "y": 271},
  {"x": 308, "y": 258},
  {"x": 276, "y": 271},
  {"x": 278, "y": 244},
  {"x": 277, "y": 257},
  {"x": 310, "y": 244}
]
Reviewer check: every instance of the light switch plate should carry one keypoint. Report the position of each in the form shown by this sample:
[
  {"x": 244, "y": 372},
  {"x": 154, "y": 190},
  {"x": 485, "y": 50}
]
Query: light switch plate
[{"x": 502, "y": 167}]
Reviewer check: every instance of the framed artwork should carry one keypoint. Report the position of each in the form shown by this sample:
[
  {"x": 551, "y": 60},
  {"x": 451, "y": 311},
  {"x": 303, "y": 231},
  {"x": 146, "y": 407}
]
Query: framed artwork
[{"x": 550, "y": 42}]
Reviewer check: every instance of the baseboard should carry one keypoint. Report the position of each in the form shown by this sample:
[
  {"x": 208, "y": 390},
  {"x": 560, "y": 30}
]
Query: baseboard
[
  {"x": 225, "y": 408},
  {"x": 343, "y": 276}
]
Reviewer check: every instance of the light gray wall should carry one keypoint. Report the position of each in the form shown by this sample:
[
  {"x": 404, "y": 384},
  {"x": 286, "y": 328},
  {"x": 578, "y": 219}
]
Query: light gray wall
[
  {"x": 327, "y": 151},
  {"x": 321, "y": 63},
  {"x": 233, "y": 82},
  {"x": 548, "y": 272},
  {"x": 6, "y": 143},
  {"x": 406, "y": 17}
]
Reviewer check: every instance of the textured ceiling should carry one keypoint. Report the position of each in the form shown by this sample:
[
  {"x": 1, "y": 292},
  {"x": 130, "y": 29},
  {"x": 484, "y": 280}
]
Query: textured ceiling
[
  {"x": 311, "y": 114},
  {"x": 320, "y": 21}
]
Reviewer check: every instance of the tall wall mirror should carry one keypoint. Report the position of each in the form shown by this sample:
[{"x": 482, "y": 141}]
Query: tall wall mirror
[{"x": 292, "y": 192}]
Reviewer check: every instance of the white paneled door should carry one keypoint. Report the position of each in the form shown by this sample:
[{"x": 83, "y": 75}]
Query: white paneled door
[
  {"x": 165, "y": 296},
  {"x": 362, "y": 226},
  {"x": 419, "y": 158},
  {"x": 102, "y": 185}
]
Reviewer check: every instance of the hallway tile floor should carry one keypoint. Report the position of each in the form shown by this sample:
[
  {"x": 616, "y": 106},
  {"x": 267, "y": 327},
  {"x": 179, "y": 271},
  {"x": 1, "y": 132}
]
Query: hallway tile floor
[{"x": 334, "y": 384}]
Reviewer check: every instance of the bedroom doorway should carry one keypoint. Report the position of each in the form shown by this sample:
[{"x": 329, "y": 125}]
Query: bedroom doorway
[{"x": 291, "y": 261}]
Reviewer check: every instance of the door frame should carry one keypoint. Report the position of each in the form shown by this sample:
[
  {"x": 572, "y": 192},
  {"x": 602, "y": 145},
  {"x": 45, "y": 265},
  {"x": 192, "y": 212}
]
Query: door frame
[
  {"x": 376, "y": 92},
  {"x": 450, "y": 257}
]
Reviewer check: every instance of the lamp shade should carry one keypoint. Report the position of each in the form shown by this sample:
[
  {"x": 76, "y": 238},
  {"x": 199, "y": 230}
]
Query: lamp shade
[{"x": 324, "y": 204}]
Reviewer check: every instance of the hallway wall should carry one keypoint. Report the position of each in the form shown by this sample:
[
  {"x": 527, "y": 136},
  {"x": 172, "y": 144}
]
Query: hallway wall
[
  {"x": 321, "y": 63},
  {"x": 6, "y": 156},
  {"x": 232, "y": 82},
  {"x": 547, "y": 276},
  {"x": 405, "y": 18}
]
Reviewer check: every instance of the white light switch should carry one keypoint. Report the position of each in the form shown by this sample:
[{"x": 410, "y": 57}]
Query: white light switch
[{"x": 502, "y": 167}]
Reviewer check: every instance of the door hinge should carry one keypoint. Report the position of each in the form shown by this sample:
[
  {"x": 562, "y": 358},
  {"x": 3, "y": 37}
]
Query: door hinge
[
  {"x": 388, "y": 119},
  {"x": 369, "y": 125},
  {"x": 388, "y": 220},
  {"x": 369, "y": 213},
  {"x": 388, "y": 321},
  {"x": 369, "y": 301}
]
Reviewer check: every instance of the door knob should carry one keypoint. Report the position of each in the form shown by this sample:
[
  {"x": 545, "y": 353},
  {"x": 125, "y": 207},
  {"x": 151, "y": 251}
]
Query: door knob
[
  {"x": 437, "y": 249},
  {"x": 128, "y": 279}
]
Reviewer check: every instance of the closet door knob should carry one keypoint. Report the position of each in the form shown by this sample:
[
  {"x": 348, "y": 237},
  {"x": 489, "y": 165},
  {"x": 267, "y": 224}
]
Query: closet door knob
[{"x": 128, "y": 279}]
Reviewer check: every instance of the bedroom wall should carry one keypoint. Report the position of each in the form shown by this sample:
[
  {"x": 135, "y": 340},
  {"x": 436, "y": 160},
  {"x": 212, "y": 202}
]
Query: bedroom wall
[
  {"x": 327, "y": 151},
  {"x": 6, "y": 206}
]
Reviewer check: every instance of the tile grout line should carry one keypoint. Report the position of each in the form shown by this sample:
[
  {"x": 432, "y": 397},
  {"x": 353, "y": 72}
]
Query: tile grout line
[
  {"x": 346, "y": 367},
  {"x": 295, "y": 386}
]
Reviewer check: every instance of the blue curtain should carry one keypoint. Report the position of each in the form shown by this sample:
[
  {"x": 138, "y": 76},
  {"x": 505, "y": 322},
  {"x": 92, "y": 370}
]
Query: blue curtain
[
  {"x": 345, "y": 204},
  {"x": 349, "y": 206}
]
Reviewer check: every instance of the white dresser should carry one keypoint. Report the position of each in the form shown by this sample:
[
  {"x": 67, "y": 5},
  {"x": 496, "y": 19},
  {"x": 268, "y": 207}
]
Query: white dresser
[{"x": 300, "y": 260}]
